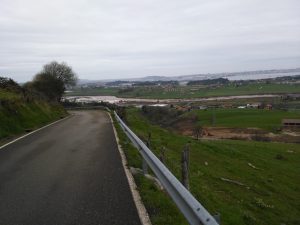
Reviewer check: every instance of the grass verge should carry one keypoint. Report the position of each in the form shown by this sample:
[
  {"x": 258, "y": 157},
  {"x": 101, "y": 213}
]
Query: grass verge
[{"x": 161, "y": 209}]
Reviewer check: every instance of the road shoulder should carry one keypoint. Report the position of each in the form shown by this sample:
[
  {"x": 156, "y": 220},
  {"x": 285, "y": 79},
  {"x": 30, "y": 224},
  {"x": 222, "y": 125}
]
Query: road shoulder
[{"x": 142, "y": 212}]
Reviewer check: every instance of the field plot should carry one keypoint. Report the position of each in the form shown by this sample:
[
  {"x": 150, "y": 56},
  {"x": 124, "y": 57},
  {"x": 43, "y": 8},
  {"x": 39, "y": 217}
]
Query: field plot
[
  {"x": 266, "y": 176},
  {"x": 226, "y": 123},
  {"x": 244, "y": 118}
]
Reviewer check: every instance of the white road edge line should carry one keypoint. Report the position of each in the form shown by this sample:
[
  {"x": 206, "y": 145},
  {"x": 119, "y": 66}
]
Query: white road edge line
[
  {"x": 142, "y": 212},
  {"x": 41, "y": 128}
]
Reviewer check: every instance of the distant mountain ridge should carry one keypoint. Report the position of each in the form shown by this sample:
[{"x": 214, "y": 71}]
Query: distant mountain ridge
[{"x": 245, "y": 75}]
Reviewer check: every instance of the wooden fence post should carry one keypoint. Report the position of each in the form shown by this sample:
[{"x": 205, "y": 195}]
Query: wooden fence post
[
  {"x": 145, "y": 166},
  {"x": 213, "y": 118},
  {"x": 185, "y": 166},
  {"x": 162, "y": 155}
]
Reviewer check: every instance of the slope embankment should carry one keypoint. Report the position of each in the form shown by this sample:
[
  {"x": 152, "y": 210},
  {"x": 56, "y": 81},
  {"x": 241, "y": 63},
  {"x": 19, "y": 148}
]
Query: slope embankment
[{"x": 20, "y": 115}]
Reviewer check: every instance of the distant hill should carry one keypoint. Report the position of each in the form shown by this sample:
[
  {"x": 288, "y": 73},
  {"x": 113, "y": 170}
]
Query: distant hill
[{"x": 245, "y": 75}]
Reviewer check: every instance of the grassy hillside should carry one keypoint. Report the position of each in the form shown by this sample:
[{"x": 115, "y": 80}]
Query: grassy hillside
[
  {"x": 18, "y": 115},
  {"x": 269, "y": 190}
]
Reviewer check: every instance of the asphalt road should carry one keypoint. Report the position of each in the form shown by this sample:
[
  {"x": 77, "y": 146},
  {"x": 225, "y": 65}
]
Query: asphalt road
[{"x": 68, "y": 173}]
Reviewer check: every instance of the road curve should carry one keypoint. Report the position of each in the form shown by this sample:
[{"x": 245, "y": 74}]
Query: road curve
[{"x": 67, "y": 174}]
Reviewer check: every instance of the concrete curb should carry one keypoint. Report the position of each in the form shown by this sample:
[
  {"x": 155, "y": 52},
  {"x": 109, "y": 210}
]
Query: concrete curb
[
  {"x": 142, "y": 212},
  {"x": 41, "y": 128}
]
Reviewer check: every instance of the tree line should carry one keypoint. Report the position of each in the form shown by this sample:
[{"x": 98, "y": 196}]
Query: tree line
[{"x": 216, "y": 81}]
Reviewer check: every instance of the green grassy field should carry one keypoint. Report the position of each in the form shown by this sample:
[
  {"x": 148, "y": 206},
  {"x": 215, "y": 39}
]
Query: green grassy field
[
  {"x": 244, "y": 118},
  {"x": 17, "y": 115},
  {"x": 271, "y": 194},
  {"x": 189, "y": 91}
]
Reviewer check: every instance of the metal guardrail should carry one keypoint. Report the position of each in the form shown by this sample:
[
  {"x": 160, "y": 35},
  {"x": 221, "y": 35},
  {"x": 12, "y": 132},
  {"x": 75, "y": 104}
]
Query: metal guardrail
[{"x": 193, "y": 211}]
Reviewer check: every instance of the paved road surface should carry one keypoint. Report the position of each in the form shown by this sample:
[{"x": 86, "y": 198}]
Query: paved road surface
[{"x": 69, "y": 173}]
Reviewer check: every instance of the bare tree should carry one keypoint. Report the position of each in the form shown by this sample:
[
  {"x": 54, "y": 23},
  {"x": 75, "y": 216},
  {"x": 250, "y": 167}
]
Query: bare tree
[
  {"x": 62, "y": 72},
  {"x": 198, "y": 130}
]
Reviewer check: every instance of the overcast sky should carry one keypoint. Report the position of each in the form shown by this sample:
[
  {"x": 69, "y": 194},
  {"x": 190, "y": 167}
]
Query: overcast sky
[{"x": 133, "y": 38}]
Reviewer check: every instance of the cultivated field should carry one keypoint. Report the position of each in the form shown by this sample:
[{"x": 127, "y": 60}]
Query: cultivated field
[
  {"x": 226, "y": 123},
  {"x": 245, "y": 118}
]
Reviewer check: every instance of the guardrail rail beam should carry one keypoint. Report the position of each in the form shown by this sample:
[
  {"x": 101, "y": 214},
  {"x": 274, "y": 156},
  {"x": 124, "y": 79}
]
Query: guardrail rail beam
[{"x": 193, "y": 211}]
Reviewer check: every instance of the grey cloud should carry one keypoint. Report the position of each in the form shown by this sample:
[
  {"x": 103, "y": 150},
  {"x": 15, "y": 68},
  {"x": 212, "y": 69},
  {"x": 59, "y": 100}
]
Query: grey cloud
[{"x": 126, "y": 38}]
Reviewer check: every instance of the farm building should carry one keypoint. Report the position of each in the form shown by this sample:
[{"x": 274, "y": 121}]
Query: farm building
[
  {"x": 268, "y": 107},
  {"x": 254, "y": 105},
  {"x": 291, "y": 123}
]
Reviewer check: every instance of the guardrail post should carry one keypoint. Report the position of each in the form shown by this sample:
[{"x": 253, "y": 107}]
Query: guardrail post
[
  {"x": 145, "y": 167},
  {"x": 218, "y": 218},
  {"x": 185, "y": 166}
]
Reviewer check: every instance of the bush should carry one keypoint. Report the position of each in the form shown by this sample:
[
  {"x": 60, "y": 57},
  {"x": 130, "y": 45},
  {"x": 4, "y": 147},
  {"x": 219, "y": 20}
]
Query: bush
[
  {"x": 10, "y": 85},
  {"x": 161, "y": 115}
]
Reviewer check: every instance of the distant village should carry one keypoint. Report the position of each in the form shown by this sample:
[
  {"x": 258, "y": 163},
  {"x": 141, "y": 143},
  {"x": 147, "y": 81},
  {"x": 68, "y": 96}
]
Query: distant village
[{"x": 169, "y": 84}]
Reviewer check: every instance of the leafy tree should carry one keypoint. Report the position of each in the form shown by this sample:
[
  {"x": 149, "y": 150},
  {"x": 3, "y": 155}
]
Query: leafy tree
[{"x": 53, "y": 80}]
